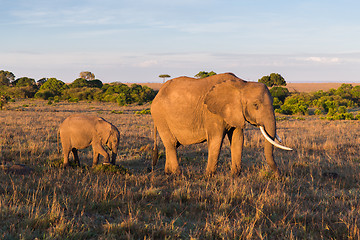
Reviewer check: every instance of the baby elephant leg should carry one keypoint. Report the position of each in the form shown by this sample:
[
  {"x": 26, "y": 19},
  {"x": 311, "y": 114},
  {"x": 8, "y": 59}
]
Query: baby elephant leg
[{"x": 98, "y": 149}]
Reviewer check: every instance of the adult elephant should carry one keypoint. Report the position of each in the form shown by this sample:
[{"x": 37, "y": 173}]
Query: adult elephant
[
  {"x": 81, "y": 131},
  {"x": 188, "y": 111}
]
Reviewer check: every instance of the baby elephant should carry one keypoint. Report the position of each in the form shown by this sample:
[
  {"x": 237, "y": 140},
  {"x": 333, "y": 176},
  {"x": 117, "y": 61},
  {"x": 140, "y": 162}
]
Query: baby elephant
[{"x": 81, "y": 131}]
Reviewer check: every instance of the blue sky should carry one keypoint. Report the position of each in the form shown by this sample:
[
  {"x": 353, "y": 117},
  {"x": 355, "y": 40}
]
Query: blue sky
[{"x": 136, "y": 41}]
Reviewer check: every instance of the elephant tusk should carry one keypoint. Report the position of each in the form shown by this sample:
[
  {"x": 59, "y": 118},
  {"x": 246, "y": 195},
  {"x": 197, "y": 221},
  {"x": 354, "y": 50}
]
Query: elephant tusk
[
  {"x": 272, "y": 141},
  {"x": 278, "y": 138}
]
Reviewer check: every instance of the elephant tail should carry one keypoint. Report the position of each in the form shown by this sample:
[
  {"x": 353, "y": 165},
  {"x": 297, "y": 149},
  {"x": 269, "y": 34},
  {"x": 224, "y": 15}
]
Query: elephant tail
[{"x": 155, "y": 152}]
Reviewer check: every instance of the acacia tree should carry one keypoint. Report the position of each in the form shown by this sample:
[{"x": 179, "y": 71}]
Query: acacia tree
[
  {"x": 87, "y": 75},
  {"x": 164, "y": 76},
  {"x": 203, "y": 74}
]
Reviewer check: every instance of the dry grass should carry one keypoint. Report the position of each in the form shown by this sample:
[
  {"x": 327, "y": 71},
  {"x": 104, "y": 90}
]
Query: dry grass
[{"x": 317, "y": 197}]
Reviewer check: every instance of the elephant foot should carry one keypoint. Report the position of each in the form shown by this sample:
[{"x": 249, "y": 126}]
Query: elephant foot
[
  {"x": 210, "y": 173},
  {"x": 65, "y": 165},
  {"x": 175, "y": 172}
]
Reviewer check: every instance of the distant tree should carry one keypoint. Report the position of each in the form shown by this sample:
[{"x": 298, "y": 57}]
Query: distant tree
[
  {"x": 82, "y": 82},
  {"x": 96, "y": 83},
  {"x": 41, "y": 81},
  {"x": 51, "y": 88},
  {"x": 274, "y": 79},
  {"x": 164, "y": 76},
  {"x": 78, "y": 83},
  {"x": 203, "y": 74},
  {"x": 23, "y": 88},
  {"x": 266, "y": 80},
  {"x": 6, "y": 77},
  {"x": 24, "y": 82},
  {"x": 87, "y": 75},
  {"x": 280, "y": 93},
  {"x": 345, "y": 91},
  {"x": 277, "y": 79}
]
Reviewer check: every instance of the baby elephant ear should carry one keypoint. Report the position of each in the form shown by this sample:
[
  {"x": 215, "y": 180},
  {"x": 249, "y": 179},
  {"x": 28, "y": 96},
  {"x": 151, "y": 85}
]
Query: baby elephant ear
[
  {"x": 224, "y": 99},
  {"x": 103, "y": 129}
]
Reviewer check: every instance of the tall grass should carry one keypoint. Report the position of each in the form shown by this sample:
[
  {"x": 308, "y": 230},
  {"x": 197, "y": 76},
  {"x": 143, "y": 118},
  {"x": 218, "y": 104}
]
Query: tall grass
[{"x": 317, "y": 196}]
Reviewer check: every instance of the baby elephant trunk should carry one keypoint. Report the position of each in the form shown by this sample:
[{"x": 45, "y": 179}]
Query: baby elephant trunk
[{"x": 113, "y": 157}]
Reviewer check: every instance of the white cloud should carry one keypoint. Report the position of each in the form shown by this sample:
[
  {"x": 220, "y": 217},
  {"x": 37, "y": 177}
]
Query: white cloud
[
  {"x": 148, "y": 63},
  {"x": 325, "y": 60}
]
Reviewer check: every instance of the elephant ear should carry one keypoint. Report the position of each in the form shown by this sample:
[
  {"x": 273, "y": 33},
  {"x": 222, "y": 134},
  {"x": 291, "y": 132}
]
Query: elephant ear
[
  {"x": 224, "y": 99},
  {"x": 103, "y": 129}
]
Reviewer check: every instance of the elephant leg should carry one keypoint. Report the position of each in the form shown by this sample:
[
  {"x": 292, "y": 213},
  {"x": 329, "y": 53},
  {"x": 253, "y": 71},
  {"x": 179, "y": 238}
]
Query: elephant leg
[
  {"x": 236, "y": 138},
  {"x": 66, "y": 153},
  {"x": 76, "y": 156},
  {"x": 214, "y": 147},
  {"x": 171, "y": 144},
  {"x": 98, "y": 149},
  {"x": 171, "y": 162}
]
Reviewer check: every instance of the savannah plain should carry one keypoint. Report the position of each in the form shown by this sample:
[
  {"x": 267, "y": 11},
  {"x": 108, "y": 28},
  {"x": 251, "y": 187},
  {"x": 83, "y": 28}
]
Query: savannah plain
[{"x": 317, "y": 197}]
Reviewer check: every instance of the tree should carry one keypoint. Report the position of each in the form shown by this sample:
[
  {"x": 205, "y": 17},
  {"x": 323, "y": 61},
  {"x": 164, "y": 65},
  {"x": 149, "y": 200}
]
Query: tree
[
  {"x": 79, "y": 83},
  {"x": 82, "y": 82},
  {"x": 24, "y": 82},
  {"x": 87, "y": 75},
  {"x": 274, "y": 79},
  {"x": 51, "y": 88},
  {"x": 23, "y": 88},
  {"x": 41, "y": 81},
  {"x": 203, "y": 74},
  {"x": 280, "y": 93},
  {"x": 96, "y": 83},
  {"x": 164, "y": 76},
  {"x": 6, "y": 77}
]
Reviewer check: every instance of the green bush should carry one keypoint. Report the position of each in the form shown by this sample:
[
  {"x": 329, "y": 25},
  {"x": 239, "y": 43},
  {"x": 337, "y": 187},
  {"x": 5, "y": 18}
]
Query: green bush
[
  {"x": 51, "y": 88},
  {"x": 145, "y": 111},
  {"x": 335, "y": 102},
  {"x": 124, "y": 95},
  {"x": 280, "y": 93},
  {"x": 84, "y": 93},
  {"x": 294, "y": 105},
  {"x": 317, "y": 112},
  {"x": 340, "y": 116}
]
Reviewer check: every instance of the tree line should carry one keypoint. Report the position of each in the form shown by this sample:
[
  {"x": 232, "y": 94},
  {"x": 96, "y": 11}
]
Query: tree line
[
  {"x": 86, "y": 87},
  {"x": 335, "y": 104}
]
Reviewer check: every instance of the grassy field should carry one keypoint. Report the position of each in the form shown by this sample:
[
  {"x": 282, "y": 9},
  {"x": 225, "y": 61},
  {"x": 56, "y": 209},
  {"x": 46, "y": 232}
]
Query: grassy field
[{"x": 318, "y": 196}]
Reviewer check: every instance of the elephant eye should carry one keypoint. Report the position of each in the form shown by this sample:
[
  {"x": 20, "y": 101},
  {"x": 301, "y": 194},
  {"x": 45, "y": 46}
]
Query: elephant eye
[{"x": 256, "y": 106}]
